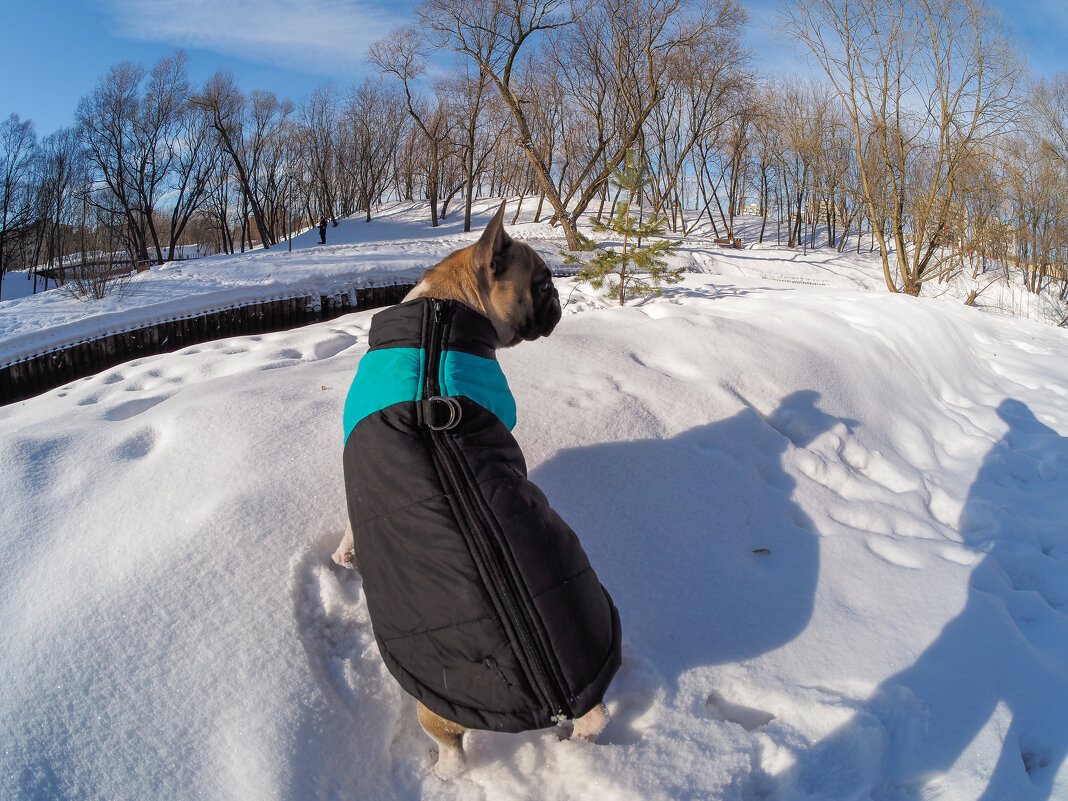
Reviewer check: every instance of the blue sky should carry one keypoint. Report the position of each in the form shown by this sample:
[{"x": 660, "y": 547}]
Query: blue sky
[
  {"x": 1041, "y": 27},
  {"x": 53, "y": 51}
]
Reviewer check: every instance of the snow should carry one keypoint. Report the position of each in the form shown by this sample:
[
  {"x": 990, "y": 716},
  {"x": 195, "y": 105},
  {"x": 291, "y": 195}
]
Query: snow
[
  {"x": 397, "y": 247},
  {"x": 833, "y": 521}
]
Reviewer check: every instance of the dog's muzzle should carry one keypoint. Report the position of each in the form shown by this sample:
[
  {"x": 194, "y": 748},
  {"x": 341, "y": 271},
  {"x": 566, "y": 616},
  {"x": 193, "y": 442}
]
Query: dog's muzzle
[{"x": 546, "y": 316}]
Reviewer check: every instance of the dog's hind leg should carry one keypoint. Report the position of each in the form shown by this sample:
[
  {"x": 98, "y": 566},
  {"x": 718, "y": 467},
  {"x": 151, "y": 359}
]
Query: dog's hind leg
[
  {"x": 591, "y": 724},
  {"x": 449, "y": 738}
]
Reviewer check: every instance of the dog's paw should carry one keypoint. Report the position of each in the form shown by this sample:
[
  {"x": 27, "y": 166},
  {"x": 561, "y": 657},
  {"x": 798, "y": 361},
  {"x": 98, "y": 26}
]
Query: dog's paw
[
  {"x": 590, "y": 725},
  {"x": 345, "y": 557},
  {"x": 451, "y": 763},
  {"x": 345, "y": 553}
]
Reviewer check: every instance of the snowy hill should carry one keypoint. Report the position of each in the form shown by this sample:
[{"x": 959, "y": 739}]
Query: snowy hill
[
  {"x": 399, "y": 244},
  {"x": 833, "y": 522}
]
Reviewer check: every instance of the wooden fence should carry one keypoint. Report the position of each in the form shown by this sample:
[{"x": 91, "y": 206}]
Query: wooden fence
[{"x": 32, "y": 376}]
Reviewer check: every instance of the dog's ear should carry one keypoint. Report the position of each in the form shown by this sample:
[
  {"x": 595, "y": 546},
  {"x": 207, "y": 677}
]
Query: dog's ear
[{"x": 493, "y": 243}]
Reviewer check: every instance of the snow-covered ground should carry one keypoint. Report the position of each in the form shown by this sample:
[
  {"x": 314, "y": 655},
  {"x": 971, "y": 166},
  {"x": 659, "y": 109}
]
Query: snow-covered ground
[
  {"x": 398, "y": 246},
  {"x": 833, "y": 520}
]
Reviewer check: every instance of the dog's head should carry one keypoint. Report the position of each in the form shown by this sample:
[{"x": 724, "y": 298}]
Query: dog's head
[
  {"x": 502, "y": 278},
  {"x": 518, "y": 291}
]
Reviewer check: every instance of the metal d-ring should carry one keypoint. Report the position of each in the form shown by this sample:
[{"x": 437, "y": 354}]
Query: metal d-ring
[{"x": 455, "y": 412}]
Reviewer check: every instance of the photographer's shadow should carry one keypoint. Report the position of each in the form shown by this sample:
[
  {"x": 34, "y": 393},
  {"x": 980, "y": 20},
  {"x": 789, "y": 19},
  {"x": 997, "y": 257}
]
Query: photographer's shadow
[
  {"x": 995, "y": 681},
  {"x": 709, "y": 558}
]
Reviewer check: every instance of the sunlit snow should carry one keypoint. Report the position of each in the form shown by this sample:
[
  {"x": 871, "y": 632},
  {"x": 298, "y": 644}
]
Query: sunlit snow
[{"x": 833, "y": 520}]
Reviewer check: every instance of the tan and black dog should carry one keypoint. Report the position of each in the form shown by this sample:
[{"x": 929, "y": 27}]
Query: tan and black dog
[{"x": 482, "y": 601}]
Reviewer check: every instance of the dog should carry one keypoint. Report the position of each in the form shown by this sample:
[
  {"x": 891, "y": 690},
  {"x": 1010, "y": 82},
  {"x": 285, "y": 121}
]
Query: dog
[{"x": 483, "y": 603}]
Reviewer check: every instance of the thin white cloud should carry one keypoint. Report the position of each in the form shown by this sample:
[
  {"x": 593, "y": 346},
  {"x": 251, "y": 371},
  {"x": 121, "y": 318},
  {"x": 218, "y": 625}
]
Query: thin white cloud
[{"x": 318, "y": 36}]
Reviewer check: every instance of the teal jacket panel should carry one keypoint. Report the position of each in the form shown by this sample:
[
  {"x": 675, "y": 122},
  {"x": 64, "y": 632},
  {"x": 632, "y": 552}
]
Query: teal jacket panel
[{"x": 395, "y": 375}]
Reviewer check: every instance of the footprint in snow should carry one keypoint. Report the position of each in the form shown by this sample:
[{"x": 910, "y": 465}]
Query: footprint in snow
[
  {"x": 332, "y": 620},
  {"x": 959, "y": 683},
  {"x": 335, "y": 631},
  {"x": 749, "y": 718},
  {"x": 139, "y": 445},
  {"x": 890, "y": 551},
  {"x": 124, "y": 411},
  {"x": 632, "y": 701},
  {"x": 332, "y": 346}
]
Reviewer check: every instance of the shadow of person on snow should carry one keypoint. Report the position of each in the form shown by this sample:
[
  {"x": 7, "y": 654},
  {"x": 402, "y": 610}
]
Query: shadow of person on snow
[
  {"x": 1002, "y": 662},
  {"x": 707, "y": 555}
]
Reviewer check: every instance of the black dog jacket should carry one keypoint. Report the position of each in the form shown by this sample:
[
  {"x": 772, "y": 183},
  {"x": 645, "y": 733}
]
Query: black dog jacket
[{"x": 482, "y": 601}]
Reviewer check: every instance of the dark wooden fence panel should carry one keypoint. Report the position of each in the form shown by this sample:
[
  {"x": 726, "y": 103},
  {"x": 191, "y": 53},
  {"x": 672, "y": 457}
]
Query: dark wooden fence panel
[{"x": 28, "y": 377}]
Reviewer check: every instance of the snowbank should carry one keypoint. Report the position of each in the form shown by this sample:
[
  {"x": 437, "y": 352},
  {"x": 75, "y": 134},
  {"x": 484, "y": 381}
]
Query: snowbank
[
  {"x": 833, "y": 522},
  {"x": 398, "y": 246}
]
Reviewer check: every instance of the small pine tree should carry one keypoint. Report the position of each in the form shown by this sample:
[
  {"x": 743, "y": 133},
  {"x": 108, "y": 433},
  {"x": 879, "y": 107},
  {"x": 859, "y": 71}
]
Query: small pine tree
[{"x": 634, "y": 269}]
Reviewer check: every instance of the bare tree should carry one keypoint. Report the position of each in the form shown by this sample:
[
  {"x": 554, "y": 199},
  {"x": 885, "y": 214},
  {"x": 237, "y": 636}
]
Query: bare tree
[
  {"x": 403, "y": 55},
  {"x": 799, "y": 114},
  {"x": 475, "y": 144},
  {"x": 1049, "y": 100},
  {"x": 976, "y": 218},
  {"x": 1035, "y": 184},
  {"x": 63, "y": 177},
  {"x": 18, "y": 144},
  {"x": 617, "y": 57},
  {"x": 493, "y": 35},
  {"x": 710, "y": 84},
  {"x": 736, "y": 162},
  {"x": 108, "y": 120},
  {"x": 765, "y": 155},
  {"x": 831, "y": 172},
  {"x": 159, "y": 137},
  {"x": 251, "y": 133},
  {"x": 930, "y": 79},
  {"x": 376, "y": 121},
  {"x": 133, "y": 126},
  {"x": 640, "y": 49},
  {"x": 219, "y": 204},
  {"x": 272, "y": 151},
  {"x": 319, "y": 127},
  {"x": 195, "y": 151},
  {"x": 1049, "y": 121}
]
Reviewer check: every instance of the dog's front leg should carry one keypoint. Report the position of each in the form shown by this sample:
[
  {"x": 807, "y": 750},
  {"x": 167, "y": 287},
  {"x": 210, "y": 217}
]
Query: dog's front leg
[
  {"x": 591, "y": 724},
  {"x": 345, "y": 555}
]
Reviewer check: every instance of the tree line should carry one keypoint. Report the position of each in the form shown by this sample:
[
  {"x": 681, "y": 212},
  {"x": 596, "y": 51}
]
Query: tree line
[{"x": 919, "y": 136}]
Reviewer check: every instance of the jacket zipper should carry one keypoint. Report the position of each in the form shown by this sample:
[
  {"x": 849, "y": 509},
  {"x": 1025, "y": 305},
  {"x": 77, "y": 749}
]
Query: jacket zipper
[{"x": 503, "y": 589}]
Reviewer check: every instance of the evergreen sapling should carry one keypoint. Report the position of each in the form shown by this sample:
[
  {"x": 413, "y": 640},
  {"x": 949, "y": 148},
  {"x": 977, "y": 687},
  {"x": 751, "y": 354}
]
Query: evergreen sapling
[{"x": 633, "y": 269}]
